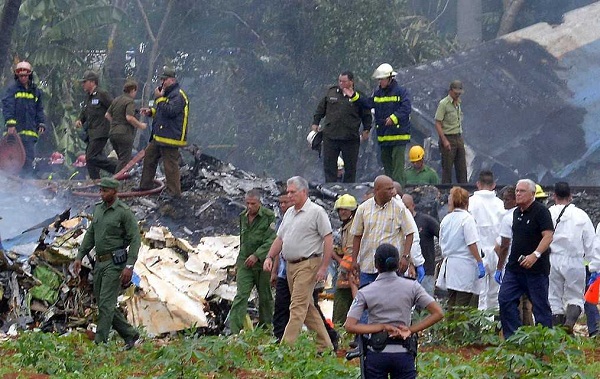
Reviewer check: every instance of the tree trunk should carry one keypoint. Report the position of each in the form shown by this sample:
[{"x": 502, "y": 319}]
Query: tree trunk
[
  {"x": 469, "y": 22},
  {"x": 511, "y": 10},
  {"x": 10, "y": 14},
  {"x": 154, "y": 51},
  {"x": 115, "y": 59}
]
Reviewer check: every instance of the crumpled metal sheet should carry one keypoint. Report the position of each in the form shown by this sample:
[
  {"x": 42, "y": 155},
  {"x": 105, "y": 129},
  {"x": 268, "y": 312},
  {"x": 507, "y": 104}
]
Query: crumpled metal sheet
[{"x": 173, "y": 291}]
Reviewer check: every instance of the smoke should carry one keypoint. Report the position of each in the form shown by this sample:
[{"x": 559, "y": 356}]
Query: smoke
[{"x": 24, "y": 204}]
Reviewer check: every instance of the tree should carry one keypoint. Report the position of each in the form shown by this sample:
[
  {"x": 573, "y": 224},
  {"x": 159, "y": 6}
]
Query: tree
[
  {"x": 469, "y": 22},
  {"x": 10, "y": 13},
  {"x": 509, "y": 15}
]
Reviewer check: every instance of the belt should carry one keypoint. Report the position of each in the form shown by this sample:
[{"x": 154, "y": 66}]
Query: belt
[
  {"x": 453, "y": 135},
  {"x": 104, "y": 257},
  {"x": 305, "y": 258}
]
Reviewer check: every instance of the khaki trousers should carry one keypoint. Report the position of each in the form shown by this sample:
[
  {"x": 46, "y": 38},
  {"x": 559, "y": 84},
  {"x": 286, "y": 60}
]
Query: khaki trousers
[
  {"x": 301, "y": 281},
  {"x": 170, "y": 158}
]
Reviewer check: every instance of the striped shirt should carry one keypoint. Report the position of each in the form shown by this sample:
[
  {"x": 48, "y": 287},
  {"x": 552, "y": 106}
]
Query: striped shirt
[{"x": 376, "y": 224}]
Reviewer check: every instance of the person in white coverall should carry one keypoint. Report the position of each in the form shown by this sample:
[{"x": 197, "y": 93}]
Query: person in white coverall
[
  {"x": 573, "y": 241},
  {"x": 487, "y": 209}
]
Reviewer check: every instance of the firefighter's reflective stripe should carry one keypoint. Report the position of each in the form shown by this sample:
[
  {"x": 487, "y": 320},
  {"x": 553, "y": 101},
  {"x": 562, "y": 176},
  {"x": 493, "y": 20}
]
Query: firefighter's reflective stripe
[
  {"x": 25, "y": 95},
  {"x": 387, "y": 99},
  {"x": 397, "y": 137},
  {"x": 394, "y": 119},
  {"x": 182, "y": 139},
  {"x": 30, "y": 133},
  {"x": 186, "y": 111}
]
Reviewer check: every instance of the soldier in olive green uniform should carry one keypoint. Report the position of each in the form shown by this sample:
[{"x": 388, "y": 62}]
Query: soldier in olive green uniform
[
  {"x": 96, "y": 126},
  {"x": 257, "y": 232},
  {"x": 113, "y": 228}
]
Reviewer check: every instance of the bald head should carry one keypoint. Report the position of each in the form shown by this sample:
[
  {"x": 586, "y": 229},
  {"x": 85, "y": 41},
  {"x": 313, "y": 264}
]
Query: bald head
[
  {"x": 384, "y": 189},
  {"x": 409, "y": 202},
  {"x": 398, "y": 189}
]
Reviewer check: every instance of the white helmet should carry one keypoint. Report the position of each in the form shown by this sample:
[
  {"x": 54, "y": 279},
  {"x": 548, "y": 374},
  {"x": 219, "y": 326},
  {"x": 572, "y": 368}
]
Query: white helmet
[
  {"x": 340, "y": 163},
  {"x": 23, "y": 68},
  {"x": 384, "y": 71}
]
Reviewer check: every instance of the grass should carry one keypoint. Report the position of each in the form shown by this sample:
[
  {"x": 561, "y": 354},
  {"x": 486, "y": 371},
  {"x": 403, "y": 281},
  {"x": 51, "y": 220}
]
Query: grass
[{"x": 533, "y": 352}]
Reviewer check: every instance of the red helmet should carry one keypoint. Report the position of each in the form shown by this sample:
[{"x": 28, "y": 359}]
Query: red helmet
[
  {"x": 57, "y": 158},
  {"x": 80, "y": 162}
]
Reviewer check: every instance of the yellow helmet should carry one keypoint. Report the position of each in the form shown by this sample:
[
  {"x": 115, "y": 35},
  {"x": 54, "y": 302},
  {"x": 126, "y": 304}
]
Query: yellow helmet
[
  {"x": 539, "y": 192},
  {"x": 345, "y": 201},
  {"x": 384, "y": 71},
  {"x": 416, "y": 153}
]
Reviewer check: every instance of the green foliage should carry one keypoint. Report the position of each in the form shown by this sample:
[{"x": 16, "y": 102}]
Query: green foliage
[
  {"x": 466, "y": 326},
  {"x": 533, "y": 352}
]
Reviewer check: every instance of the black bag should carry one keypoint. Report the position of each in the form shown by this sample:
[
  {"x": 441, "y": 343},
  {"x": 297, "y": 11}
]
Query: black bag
[
  {"x": 378, "y": 341},
  {"x": 317, "y": 141},
  {"x": 119, "y": 256}
]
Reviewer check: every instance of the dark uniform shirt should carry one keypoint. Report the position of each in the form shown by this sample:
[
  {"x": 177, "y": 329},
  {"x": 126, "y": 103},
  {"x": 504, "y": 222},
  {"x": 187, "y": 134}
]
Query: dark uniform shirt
[
  {"x": 342, "y": 116},
  {"x": 112, "y": 227},
  {"x": 92, "y": 115},
  {"x": 428, "y": 228},
  {"x": 256, "y": 238},
  {"x": 121, "y": 107},
  {"x": 527, "y": 231}
]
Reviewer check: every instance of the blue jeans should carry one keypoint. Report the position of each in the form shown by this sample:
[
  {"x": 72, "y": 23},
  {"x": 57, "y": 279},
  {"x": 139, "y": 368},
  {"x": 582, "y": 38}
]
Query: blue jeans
[
  {"x": 364, "y": 279},
  {"x": 513, "y": 286},
  {"x": 396, "y": 365},
  {"x": 592, "y": 314}
]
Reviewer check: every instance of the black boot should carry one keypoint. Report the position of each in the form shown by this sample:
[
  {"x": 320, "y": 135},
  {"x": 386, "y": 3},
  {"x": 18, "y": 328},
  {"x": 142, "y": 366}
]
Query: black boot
[
  {"x": 573, "y": 312},
  {"x": 558, "y": 320}
]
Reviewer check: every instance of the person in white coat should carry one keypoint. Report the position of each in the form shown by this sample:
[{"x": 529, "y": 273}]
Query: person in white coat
[
  {"x": 573, "y": 240},
  {"x": 488, "y": 210},
  {"x": 462, "y": 267}
]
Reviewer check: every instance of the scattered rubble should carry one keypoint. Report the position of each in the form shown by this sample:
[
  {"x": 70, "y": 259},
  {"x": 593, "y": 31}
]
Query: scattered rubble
[{"x": 185, "y": 273}]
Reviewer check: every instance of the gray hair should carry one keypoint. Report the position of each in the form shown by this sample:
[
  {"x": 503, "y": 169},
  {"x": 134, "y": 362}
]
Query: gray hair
[
  {"x": 299, "y": 182},
  {"x": 254, "y": 193},
  {"x": 530, "y": 183}
]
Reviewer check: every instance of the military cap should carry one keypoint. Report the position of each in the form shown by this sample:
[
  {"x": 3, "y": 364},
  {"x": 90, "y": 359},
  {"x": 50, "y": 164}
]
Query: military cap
[
  {"x": 168, "y": 72},
  {"x": 109, "y": 183},
  {"x": 89, "y": 75},
  {"x": 456, "y": 85}
]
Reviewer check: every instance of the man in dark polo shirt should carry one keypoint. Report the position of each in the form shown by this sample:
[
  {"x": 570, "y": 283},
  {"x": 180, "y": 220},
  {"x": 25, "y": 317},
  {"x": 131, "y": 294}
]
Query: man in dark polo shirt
[{"x": 528, "y": 264}]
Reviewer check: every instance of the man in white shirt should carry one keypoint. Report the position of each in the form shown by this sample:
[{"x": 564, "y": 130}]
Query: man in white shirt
[{"x": 573, "y": 240}]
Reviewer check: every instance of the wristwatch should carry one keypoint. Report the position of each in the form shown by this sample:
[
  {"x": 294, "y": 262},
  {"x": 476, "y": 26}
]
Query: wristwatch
[
  {"x": 129, "y": 266},
  {"x": 537, "y": 254}
]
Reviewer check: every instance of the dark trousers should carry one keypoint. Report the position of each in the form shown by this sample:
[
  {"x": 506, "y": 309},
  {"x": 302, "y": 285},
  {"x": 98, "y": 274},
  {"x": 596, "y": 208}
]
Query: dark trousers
[
  {"x": 392, "y": 365},
  {"x": 462, "y": 299},
  {"x": 456, "y": 157},
  {"x": 513, "y": 286},
  {"x": 331, "y": 151},
  {"x": 29, "y": 147},
  {"x": 591, "y": 311},
  {"x": 170, "y": 158},
  {"x": 96, "y": 160},
  {"x": 123, "y": 145},
  {"x": 281, "y": 312}
]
